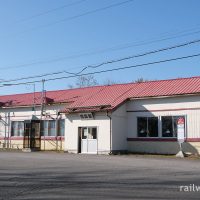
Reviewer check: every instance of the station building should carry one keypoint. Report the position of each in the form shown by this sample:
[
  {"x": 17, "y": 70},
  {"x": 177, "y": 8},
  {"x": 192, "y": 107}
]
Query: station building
[{"x": 134, "y": 117}]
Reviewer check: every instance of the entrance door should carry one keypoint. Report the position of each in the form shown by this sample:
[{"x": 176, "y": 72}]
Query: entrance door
[
  {"x": 27, "y": 133},
  {"x": 32, "y": 137},
  {"x": 88, "y": 140}
]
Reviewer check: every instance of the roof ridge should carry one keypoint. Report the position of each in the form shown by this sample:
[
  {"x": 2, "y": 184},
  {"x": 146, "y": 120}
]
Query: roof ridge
[{"x": 96, "y": 86}]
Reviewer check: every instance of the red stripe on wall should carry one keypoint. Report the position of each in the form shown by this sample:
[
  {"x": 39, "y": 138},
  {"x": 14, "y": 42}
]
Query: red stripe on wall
[
  {"x": 153, "y": 139},
  {"x": 192, "y": 139},
  {"x": 162, "y": 139},
  {"x": 16, "y": 138}
]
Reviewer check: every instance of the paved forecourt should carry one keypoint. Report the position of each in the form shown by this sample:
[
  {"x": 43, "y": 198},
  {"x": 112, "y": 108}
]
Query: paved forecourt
[{"x": 50, "y": 175}]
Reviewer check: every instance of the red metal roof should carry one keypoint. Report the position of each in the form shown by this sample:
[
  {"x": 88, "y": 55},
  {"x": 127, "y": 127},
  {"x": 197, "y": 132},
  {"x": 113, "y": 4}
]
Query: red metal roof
[{"x": 99, "y": 98}]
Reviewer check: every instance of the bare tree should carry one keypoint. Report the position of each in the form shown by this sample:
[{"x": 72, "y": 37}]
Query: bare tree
[
  {"x": 86, "y": 81},
  {"x": 110, "y": 82},
  {"x": 140, "y": 80},
  {"x": 70, "y": 86}
]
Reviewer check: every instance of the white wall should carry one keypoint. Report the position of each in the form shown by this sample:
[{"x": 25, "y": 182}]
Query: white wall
[
  {"x": 25, "y": 113},
  {"x": 124, "y": 124},
  {"x": 101, "y": 121},
  {"x": 119, "y": 129},
  {"x": 173, "y": 106}
]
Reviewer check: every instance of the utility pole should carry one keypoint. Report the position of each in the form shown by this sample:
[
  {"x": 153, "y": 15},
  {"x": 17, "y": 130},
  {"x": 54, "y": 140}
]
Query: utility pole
[
  {"x": 43, "y": 98},
  {"x": 42, "y": 106},
  {"x": 6, "y": 137},
  {"x": 34, "y": 98},
  {"x": 9, "y": 130}
]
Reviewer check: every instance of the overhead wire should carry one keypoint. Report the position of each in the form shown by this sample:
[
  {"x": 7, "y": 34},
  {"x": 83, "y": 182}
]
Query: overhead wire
[
  {"x": 50, "y": 11},
  {"x": 80, "y": 15},
  {"x": 106, "y": 62},
  {"x": 104, "y": 71},
  {"x": 141, "y": 43}
]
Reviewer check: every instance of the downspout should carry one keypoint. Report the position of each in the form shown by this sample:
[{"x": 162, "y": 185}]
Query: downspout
[
  {"x": 9, "y": 131},
  {"x": 109, "y": 116},
  {"x": 57, "y": 131},
  {"x": 5, "y": 137}
]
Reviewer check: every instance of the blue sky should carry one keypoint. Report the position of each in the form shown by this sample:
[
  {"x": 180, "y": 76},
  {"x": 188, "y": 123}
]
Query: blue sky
[{"x": 28, "y": 35}]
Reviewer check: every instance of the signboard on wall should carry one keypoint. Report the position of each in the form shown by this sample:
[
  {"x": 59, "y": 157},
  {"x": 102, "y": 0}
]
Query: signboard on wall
[{"x": 181, "y": 129}]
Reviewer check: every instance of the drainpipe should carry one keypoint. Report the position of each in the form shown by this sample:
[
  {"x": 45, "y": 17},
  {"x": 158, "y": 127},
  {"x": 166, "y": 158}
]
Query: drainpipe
[
  {"x": 57, "y": 131},
  {"x": 109, "y": 116},
  {"x": 9, "y": 131},
  {"x": 5, "y": 129}
]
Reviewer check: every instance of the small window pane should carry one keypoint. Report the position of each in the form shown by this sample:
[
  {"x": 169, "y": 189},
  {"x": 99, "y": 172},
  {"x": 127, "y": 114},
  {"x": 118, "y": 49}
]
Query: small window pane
[
  {"x": 14, "y": 129},
  {"x": 85, "y": 116},
  {"x": 84, "y": 133},
  {"x": 152, "y": 126},
  {"x": 44, "y": 128},
  {"x": 20, "y": 128},
  {"x": 52, "y": 128},
  {"x": 61, "y": 127},
  {"x": 90, "y": 116},
  {"x": 167, "y": 126},
  {"x": 17, "y": 128},
  {"x": 81, "y": 115},
  {"x": 92, "y": 133},
  {"x": 142, "y": 126}
]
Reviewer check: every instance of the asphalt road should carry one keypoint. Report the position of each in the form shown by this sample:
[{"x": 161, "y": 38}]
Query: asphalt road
[{"x": 50, "y": 175}]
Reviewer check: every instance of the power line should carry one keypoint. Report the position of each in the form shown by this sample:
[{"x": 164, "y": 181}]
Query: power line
[
  {"x": 51, "y": 10},
  {"x": 104, "y": 71},
  {"x": 107, "y": 62},
  {"x": 140, "y": 55},
  {"x": 125, "y": 46},
  {"x": 80, "y": 15},
  {"x": 128, "y": 67}
]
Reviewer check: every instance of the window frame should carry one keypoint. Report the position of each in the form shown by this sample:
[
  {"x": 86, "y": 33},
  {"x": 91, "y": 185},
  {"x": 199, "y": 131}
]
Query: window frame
[
  {"x": 18, "y": 130},
  {"x": 173, "y": 116},
  {"x": 87, "y": 128},
  {"x": 49, "y": 128},
  {"x": 147, "y": 130},
  {"x": 160, "y": 126},
  {"x": 59, "y": 127}
]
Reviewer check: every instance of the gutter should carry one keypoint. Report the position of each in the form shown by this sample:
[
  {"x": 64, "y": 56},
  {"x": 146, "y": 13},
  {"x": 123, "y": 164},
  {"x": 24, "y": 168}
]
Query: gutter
[
  {"x": 165, "y": 96},
  {"x": 36, "y": 105},
  {"x": 109, "y": 116}
]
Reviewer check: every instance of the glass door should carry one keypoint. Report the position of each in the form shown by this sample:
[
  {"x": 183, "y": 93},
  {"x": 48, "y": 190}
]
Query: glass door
[{"x": 88, "y": 140}]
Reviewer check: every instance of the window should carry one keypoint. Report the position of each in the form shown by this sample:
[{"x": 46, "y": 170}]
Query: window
[
  {"x": 84, "y": 133},
  {"x": 44, "y": 128},
  {"x": 48, "y": 127},
  {"x": 147, "y": 126},
  {"x": 86, "y": 116},
  {"x": 92, "y": 133},
  {"x": 52, "y": 128},
  {"x": 142, "y": 126},
  {"x": 169, "y": 126},
  {"x": 89, "y": 132},
  {"x": 17, "y": 128}
]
